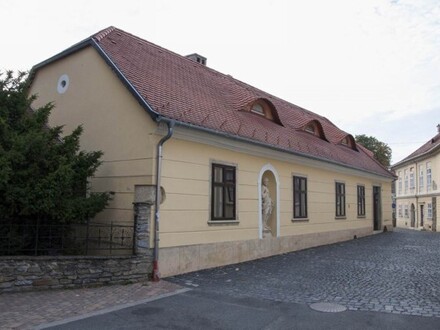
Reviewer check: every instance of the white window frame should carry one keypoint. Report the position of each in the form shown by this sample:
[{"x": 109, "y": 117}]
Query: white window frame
[
  {"x": 400, "y": 183},
  {"x": 428, "y": 176},
  {"x": 405, "y": 174},
  {"x": 411, "y": 179},
  {"x": 429, "y": 211},
  {"x": 421, "y": 179}
]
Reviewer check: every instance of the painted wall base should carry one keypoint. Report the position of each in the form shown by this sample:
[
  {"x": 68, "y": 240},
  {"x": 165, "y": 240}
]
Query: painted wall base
[{"x": 184, "y": 259}]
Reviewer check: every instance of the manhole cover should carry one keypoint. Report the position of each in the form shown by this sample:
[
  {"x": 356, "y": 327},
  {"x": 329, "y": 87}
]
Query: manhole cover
[{"x": 328, "y": 307}]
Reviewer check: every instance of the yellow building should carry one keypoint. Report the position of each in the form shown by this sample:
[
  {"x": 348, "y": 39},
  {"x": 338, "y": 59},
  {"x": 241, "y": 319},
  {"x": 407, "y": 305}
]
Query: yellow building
[
  {"x": 417, "y": 190},
  {"x": 216, "y": 145}
]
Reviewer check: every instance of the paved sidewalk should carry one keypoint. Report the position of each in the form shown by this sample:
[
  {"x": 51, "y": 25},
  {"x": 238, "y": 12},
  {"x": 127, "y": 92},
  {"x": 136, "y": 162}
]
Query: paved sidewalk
[{"x": 27, "y": 310}]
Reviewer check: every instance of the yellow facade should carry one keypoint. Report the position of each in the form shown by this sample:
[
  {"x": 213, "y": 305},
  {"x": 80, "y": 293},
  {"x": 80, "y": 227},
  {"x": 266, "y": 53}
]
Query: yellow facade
[
  {"x": 418, "y": 192},
  {"x": 117, "y": 124},
  {"x": 112, "y": 120}
]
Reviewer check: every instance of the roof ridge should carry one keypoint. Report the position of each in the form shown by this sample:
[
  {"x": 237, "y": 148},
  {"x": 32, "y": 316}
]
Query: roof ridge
[{"x": 103, "y": 33}]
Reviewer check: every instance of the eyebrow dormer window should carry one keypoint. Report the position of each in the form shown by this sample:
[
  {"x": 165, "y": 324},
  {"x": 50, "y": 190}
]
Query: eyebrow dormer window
[
  {"x": 264, "y": 108},
  {"x": 258, "y": 109},
  {"x": 349, "y": 142},
  {"x": 310, "y": 129}
]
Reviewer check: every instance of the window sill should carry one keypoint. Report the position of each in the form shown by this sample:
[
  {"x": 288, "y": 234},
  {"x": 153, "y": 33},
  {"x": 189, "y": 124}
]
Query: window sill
[
  {"x": 362, "y": 216},
  {"x": 223, "y": 222},
  {"x": 340, "y": 217},
  {"x": 300, "y": 220}
]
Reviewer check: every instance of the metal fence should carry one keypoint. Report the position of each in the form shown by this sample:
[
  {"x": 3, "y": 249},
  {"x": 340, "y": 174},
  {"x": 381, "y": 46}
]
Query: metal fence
[{"x": 40, "y": 238}]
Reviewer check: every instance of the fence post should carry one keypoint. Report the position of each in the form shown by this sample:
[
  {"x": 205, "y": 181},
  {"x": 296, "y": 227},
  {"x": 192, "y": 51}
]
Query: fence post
[
  {"x": 36, "y": 236},
  {"x": 144, "y": 199},
  {"x": 87, "y": 237}
]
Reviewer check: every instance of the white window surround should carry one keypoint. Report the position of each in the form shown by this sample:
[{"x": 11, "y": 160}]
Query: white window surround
[
  {"x": 429, "y": 211},
  {"x": 405, "y": 173},
  {"x": 268, "y": 167},
  {"x": 63, "y": 84},
  {"x": 428, "y": 176},
  {"x": 399, "y": 191}
]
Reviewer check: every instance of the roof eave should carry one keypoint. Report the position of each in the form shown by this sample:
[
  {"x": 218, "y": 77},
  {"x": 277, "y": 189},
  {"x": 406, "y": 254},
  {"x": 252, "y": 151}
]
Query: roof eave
[
  {"x": 270, "y": 146},
  {"x": 425, "y": 154}
]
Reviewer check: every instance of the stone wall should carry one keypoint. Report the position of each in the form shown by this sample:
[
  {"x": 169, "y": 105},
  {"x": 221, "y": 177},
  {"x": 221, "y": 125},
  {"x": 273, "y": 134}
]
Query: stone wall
[
  {"x": 32, "y": 273},
  {"x": 24, "y": 273}
]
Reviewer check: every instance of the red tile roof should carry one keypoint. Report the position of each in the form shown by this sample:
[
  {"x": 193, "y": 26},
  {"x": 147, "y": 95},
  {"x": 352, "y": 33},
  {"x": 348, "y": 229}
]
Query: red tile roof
[
  {"x": 179, "y": 88},
  {"x": 429, "y": 147}
]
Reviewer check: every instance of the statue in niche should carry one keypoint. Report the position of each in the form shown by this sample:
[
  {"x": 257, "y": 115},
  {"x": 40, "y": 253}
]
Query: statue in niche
[{"x": 267, "y": 205}]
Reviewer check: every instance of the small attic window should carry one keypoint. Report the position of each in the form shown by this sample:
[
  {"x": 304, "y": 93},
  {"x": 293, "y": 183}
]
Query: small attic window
[
  {"x": 314, "y": 127},
  {"x": 310, "y": 128},
  {"x": 349, "y": 142},
  {"x": 258, "y": 109},
  {"x": 264, "y": 108}
]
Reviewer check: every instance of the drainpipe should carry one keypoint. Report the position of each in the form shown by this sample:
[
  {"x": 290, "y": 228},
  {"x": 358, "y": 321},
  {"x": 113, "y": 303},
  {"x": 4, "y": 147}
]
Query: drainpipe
[
  {"x": 417, "y": 194},
  {"x": 170, "y": 124}
]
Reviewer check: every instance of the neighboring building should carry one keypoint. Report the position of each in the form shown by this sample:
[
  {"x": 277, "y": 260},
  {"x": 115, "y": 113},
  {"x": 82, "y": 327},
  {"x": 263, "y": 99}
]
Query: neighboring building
[
  {"x": 226, "y": 138},
  {"x": 417, "y": 190}
]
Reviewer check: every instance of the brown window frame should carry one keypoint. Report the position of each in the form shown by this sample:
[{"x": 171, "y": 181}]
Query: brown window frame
[
  {"x": 228, "y": 188},
  {"x": 340, "y": 199},
  {"x": 298, "y": 198},
  {"x": 361, "y": 201}
]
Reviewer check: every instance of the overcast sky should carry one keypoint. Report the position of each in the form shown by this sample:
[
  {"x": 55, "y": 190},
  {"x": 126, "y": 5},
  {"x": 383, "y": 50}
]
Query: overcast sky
[{"x": 370, "y": 66}]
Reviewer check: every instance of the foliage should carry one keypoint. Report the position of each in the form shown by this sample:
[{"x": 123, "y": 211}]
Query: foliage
[
  {"x": 42, "y": 173},
  {"x": 382, "y": 152}
]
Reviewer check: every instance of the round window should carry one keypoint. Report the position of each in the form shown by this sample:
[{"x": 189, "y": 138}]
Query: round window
[{"x": 63, "y": 84}]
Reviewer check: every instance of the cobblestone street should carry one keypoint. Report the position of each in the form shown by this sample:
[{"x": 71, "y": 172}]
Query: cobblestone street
[{"x": 395, "y": 272}]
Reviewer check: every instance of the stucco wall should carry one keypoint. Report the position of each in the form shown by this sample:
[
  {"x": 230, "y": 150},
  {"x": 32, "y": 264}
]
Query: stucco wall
[
  {"x": 185, "y": 214},
  {"x": 113, "y": 122},
  {"x": 418, "y": 197}
]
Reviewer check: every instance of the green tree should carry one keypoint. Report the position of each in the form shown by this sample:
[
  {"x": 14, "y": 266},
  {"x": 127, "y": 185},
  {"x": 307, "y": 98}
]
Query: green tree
[
  {"x": 42, "y": 173},
  {"x": 382, "y": 152}
]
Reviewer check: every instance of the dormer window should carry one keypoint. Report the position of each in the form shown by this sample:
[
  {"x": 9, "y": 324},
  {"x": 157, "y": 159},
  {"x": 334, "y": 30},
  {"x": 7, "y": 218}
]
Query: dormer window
[
  {"x": 310, "y": 129},
  {"x": 314, "y": 127},
  {"x": 258, "y": 109},
  {"x": 349, "y": 142},
  {"x": 264, "y": 108}
]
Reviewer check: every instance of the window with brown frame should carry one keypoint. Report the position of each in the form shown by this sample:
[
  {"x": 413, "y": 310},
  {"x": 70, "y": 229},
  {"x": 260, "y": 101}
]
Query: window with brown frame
[
  {"x": 340, "y": 199},
  {"x": 361, "y": 201},
  {"x": 223, "y": 201},
  {"x": 299, "y": 197}
]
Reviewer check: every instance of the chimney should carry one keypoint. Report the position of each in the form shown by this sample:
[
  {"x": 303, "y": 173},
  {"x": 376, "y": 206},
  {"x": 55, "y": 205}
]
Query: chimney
[
  {"x": 197, "y": 58},
  {"x": 438, "y": 128}
]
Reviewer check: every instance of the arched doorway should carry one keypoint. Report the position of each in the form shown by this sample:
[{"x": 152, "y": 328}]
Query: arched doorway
[
  {"x": 269, "y": 184},
  {"x": 413, "y": 215}
]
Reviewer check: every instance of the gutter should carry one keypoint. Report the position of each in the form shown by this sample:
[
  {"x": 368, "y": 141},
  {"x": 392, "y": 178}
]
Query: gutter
[{"x": 170, "y": 124}]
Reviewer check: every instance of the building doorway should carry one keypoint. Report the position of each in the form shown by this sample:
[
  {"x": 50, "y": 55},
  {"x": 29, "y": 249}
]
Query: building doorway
[
  {"x": 422, "y": 215},
  {"x": 376, "y": 208}
]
